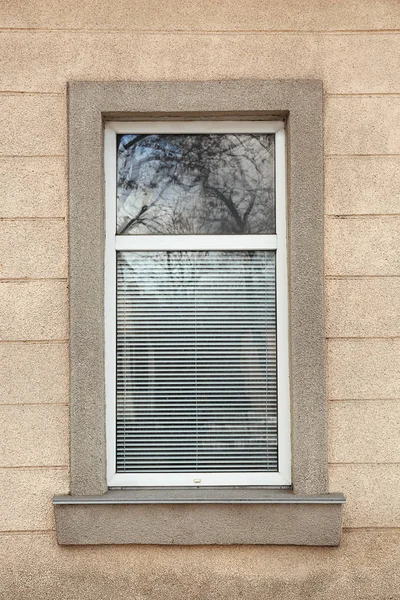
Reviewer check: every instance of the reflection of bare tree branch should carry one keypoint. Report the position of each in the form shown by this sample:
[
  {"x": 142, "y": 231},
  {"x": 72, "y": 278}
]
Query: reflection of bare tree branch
[
  {"x": 229, "y": 204},
  {"x": 136, "y": 140},
  {"x": 136, "y": 219},
  {"x": 196, "y": 184},
  {"x": 248, "y": 210}
]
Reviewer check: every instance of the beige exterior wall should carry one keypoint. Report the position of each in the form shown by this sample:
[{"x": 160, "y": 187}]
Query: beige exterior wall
[{"x": 354, "y": 46}]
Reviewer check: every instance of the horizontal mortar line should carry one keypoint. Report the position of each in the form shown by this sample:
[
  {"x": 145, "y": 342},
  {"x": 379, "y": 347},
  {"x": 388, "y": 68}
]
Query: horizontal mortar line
[
  {"x": 29, "y": 93},
  {"x": 33, "y": 156},
  {"x": 30, "y": 467},
  {"x": 202, "y": 31},
  {"x": 333, "y": 156},
  {"x": 360, "y": 94},
  {"x": 27, "y": 531},
  {"x": 378, "y": 464},
  {"x": 362, "y": 215},
  {"x": 357, "y": 277},
  {"x": 339, "y": 400},
  {"x": 363, "y": 399},
  {"x": 31, "y": 279},
  {"x": 327, "y": 95},
  {"x": 353, "y": 155},
  {"x": 363, "y": 338},
  {"x": 55, "y": 341},
  {"x": 330, "y": 463},
  {"x": 350, "y": 155},
  {"x": 66, "y": 403},
  {"x": 371, "y": 528},
  {"x": 32, "y": 219},
  {"x": 34, "y": 403},
  {"x": 52, "y": 531}
]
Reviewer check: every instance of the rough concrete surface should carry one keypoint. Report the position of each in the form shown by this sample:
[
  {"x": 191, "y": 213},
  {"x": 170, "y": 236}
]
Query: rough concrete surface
[
  {"x": 33, "y": 187},
  {"x": 363, "y": 307},
  {"x": 301, "y": 101},
  {"x": 33, "y": 310},
  {"x": 204, "y": 15},
  {"x": 363, "y": 368},
  {"x": 362, "y": 185},
  {"x": 34, "y": 373},
  {"x": 365, "y": 567}
]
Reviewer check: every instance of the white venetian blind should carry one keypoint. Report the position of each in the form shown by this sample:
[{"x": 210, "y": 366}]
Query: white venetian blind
[{"x": 196, "y": 362}]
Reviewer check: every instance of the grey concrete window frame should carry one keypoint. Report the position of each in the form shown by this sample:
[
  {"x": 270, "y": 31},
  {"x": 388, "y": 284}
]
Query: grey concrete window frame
[{"x": 305, "y": 515}]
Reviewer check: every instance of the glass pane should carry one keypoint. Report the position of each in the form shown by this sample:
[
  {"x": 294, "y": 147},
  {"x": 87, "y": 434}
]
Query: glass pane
[
  {"x": 196, "y": 362},
  {"x": 196, "y": 184}
]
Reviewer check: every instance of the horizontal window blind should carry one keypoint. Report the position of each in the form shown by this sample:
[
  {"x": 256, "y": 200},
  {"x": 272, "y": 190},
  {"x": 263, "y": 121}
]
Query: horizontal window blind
[{"x": 196, "y": 362}]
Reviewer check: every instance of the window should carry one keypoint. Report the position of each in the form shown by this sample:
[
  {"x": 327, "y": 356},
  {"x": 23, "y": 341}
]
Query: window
[
  {"x": 213, "y": 250},
  {"x": 197, "y": 321}
]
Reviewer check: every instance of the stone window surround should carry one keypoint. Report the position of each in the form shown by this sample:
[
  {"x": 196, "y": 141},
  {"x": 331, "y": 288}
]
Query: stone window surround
[{"x": 92, "y": 514}]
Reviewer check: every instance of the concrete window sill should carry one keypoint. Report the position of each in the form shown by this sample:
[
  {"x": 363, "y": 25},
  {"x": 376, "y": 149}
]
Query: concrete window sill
[{"x": 206, "y": 516}]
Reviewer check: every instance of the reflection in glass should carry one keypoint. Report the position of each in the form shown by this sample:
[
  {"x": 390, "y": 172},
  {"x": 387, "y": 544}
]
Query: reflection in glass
[
  {"x": 195, "y": 184},
  {"x": 196, "y": 362}
]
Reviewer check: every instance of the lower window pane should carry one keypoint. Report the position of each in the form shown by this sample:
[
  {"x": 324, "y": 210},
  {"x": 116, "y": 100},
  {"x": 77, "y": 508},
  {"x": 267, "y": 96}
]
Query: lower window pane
[{"x": 196, "y": 362}]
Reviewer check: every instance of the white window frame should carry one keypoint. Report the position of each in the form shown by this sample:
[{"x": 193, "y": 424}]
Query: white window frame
[{"x": 277, "y": 242}]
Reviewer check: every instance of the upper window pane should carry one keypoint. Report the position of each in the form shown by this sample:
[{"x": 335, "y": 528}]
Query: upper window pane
[{"x": 196, "y": 184}]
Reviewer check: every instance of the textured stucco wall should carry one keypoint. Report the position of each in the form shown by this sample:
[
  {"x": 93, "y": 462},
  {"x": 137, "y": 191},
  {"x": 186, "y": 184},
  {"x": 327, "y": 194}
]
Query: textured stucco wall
[{"x": 354, "y": 46}]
